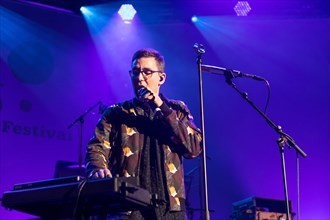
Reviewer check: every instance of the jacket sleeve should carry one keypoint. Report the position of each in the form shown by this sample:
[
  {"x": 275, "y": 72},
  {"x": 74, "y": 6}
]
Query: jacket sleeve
[
  {"x": 186, "y": 138},
  {"x": 99, "y": 146}
]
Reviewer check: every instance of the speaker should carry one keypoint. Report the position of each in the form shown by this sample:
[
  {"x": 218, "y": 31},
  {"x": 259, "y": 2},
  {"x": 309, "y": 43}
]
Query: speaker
[
  {"x": 68, "y": 168},
  {"x": 256, "y": 208},
  {"x": 270, "y": 216}
]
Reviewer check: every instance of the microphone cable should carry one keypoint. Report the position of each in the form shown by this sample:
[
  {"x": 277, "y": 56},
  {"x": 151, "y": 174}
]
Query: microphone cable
[{"x": 268, "y": 96}]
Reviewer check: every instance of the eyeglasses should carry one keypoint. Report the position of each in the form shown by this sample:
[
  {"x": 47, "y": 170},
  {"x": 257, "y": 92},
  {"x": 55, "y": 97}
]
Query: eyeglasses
[{"x": 146, "y": 73}]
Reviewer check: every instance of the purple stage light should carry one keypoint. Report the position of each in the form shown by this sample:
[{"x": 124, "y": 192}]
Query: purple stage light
[
  {"x": 242, "y": 8},
  {"x": 127, "y": 12}
]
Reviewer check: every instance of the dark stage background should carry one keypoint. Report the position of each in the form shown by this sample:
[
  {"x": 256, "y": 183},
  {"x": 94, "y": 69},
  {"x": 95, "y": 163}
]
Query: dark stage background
[{"x": 55, "y": 65}]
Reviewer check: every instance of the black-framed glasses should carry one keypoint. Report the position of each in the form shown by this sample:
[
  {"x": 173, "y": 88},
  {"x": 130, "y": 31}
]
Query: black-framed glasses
[{"x": 146, "y": 73}]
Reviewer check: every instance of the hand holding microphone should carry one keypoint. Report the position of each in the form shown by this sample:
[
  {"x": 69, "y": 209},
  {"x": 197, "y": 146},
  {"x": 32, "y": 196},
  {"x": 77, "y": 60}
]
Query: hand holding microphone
[{"x": 145, "y": 94}]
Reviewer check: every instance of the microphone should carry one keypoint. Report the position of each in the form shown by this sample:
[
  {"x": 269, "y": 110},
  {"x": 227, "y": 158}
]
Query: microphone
[
  {"x": 142, "y": 92},
  {"x": 234, "y": 73},
  {"x": 199, "y": 48}
]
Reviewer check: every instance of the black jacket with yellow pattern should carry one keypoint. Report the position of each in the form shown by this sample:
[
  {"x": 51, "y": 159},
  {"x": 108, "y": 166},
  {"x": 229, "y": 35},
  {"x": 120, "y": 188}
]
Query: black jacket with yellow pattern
[{"x": 120, "y": 136}]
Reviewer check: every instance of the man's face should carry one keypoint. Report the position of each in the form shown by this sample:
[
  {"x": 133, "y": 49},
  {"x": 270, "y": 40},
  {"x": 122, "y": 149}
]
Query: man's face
[{"x": 151, "y": 81}]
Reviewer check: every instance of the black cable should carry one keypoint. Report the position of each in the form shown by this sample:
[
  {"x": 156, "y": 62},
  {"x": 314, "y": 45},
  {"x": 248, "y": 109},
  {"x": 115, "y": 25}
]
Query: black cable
[
  {"x": 268, "y": 97},
  {"x": 80, "y": 188}
]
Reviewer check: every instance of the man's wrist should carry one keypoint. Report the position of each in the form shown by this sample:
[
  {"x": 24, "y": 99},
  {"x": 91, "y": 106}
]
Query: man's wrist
[
  {"x": 158, "y": 101},
  {"x": 165, "y": 109}
]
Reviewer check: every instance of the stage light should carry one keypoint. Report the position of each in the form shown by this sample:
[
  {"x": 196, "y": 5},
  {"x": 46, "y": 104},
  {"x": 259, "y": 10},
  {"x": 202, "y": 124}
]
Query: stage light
[
  {"x": 194, "y": 19},
  {"x": 86, "y": 11},
  {"x": 127, "y": 12},
  {"x": 83, "y": 9},
  {"x": 242, "y": 8}
]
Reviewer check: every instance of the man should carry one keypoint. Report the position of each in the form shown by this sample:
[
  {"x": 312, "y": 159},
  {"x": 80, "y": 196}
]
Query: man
[{"x": 147, "y": 137}]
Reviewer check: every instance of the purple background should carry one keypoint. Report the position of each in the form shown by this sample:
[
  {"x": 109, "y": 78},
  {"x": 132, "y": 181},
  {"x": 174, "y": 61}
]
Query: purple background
[{"x": 55, "y": 65}]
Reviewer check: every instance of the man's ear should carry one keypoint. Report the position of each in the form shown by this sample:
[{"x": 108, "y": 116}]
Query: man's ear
[{"x": 162, "y": 78}]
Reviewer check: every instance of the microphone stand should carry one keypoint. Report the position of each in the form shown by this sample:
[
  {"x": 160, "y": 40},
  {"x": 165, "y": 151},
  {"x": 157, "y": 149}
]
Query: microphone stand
[
  {"x": 189, "y": 177},
  {"x": 199, "y": 48},
  {"x": 80, "y": 119},
  {"x": 283, "y": 140},
  {"x": 298, "y": 186}
]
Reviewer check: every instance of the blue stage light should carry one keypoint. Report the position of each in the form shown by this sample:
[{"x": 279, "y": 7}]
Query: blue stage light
[
  {"x": 194, "y": 19},
  {"x": 83, "y": 9},
  {"x": 86, "y": 11},
  {"x": 127, "y": 12}
]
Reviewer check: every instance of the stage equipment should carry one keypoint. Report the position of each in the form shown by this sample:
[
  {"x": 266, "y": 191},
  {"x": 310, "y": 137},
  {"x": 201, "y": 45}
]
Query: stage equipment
[
  {"x": 76, "y": 197},
  {"x": 256, "y": 208},
  {"x": 65, "y": 5},
  {"x": 260, "y": 215},
  {"x": 194, "y": 19},
  {"x": 174, "y": 11},
  {"x": 200, "y": 50},
  {"x": 282, "y": 141},
  {"x": 127, "y": 12},
  {"x": 242, "y": 8},
  {"x": 80, "y": 119}
]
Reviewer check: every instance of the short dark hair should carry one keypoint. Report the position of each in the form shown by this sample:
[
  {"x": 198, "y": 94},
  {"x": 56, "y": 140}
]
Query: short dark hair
[{"x": 148, "y": 52}]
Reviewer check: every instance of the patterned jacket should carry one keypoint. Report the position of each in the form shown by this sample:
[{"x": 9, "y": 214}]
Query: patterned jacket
[{"x": 120, "y": 136}]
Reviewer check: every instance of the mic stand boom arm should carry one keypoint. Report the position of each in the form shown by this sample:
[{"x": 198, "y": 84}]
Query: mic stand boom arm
[
  {"x": 80, "y": 119},
  {"x": 282, "y": 140}
]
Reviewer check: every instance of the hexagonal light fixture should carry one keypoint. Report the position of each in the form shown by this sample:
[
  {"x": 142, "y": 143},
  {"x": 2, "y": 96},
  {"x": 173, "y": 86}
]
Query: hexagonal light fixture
[
  {"x": 127, "y": 12},
  {"x": 242, "y": 8}
]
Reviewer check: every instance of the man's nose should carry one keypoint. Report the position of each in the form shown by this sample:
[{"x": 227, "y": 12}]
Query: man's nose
[{"x": 140, "y": 76}]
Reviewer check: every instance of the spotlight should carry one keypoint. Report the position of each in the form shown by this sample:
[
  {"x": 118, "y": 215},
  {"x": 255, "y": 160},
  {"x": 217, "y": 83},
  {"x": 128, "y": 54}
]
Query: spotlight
[
  {"x": 86, "y": 10},
  {"x": 83, "y": 9},
  {"x": 194, "y": 19},
  {"x": 127, "y": 12},
  {"x": 242, "y": 8}
]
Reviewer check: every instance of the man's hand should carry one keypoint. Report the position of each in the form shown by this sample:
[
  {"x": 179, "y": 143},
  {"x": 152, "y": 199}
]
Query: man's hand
[
  {"x": 101, "y": 173},
  {"x": 146, "y": 94}
]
